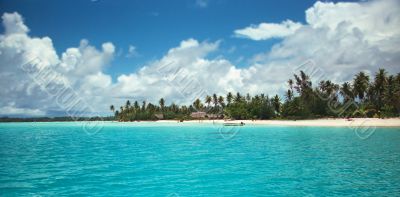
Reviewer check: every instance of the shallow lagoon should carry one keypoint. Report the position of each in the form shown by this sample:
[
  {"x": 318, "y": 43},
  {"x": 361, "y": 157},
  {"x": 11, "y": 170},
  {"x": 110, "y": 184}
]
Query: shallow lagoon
[{"x": 182, "y": 159}]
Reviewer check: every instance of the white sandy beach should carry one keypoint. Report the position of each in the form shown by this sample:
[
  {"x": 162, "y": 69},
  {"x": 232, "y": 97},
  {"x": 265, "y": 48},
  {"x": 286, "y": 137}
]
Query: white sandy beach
[{"x": 354, "y": 122}]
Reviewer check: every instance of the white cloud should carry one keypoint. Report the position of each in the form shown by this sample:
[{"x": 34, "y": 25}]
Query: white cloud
[
  {"x": 341, "y": 39},
  {"x": 265, "y": 31},
  {"x": 98, "y": 80},
  {"x": 81, "y": 67},
  {"x": 10, "y": 109},
  {"x": 13, "y": 24},
  {"x": 186, "y": 60},
  {"x": 377, "y": 21}
]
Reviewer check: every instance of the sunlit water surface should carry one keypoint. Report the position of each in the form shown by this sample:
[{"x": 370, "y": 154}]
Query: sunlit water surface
[{"x": 182, "y": 159}]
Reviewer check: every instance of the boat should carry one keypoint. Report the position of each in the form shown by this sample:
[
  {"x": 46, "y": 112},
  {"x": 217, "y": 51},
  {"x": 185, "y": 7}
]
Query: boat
[{"x": 234, "y": 124}]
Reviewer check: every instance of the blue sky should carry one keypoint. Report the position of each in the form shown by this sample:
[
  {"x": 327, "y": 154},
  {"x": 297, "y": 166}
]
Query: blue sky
[
  {"x": 153, "y": 27},
  {"x": 225, "y": 46}
]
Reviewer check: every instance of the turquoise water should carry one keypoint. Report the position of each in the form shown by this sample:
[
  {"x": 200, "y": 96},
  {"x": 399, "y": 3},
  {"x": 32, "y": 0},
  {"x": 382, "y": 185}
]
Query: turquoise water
[{"x": 171, "y": 159}]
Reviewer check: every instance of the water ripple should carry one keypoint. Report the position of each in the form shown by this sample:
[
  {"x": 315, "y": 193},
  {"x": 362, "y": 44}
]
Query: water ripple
[{"x": 149, "y": 160}]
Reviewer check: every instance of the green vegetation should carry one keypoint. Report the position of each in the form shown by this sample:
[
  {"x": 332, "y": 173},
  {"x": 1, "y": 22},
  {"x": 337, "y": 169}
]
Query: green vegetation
[{"x": 363, "y": 97}]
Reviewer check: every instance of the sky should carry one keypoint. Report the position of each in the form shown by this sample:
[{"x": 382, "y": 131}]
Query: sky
[
  {"x": 109, "y": 51},
  {"x": 152, "y": 27}
]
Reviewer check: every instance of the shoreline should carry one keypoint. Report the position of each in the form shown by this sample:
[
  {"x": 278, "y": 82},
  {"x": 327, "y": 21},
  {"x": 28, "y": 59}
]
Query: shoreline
[
  {"x": 331, "y": 122},
  {"x": 324, "y": 122}
]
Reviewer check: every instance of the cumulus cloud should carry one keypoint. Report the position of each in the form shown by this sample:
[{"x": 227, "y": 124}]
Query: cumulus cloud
[
  {"x": 13, "y": 23},
  {"x": 80, "y": 67},
  {"x": 167, "y": 77},
  {"x": 338, "y": 39},
  {"x": 377, "y": 21},
  {"x": 334, "y": 45},
  {"x": 265, "y": 31},
  {"x": 343, "y": 38}
]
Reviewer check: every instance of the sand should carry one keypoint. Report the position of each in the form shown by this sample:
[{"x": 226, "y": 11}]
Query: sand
[{"x": 338, "y": 122}]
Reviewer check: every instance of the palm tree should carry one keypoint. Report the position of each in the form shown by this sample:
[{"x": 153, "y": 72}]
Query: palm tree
[
  {"x": 197, "y": 104},
  {"x": 174, "y": 107},
  {"x": 304, "y": 86},
  {"x": 221, "y": 101},
  {"x": 378, "y": 97},
  {"x": 302, "y": 82},
  {"x": 215, "y": 100},
  {"x": 289, "y": 95},
  {"x": 127, "y": 105},
  {"x": 136, "y": 105},
  {"x": 329, "y": 89},
  {"x": 162, "y": 103},
  {"x": 248, "y": 97},
  {"x": 208, "y": 100},
  {"x": 360, "y": 85},
  {"x": 389, "y": 97},
  {"x": 112, "y": 108},
  {"x": 238, "y": 97},
  {"x": 290, "y": 82},
  {"x": 276, "y": 102},
  {"x": 229, "y": 98},
  {"x": 184, "y": 109},
  {"x": 396, "y": 93},
  {"x": 346, "y": 92},
  {"x": 144, "y": 106},
  {"x": 380, "y": 83}
]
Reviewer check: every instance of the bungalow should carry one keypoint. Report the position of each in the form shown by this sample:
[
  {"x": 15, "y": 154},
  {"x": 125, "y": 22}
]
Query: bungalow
[
  {"x": 159, "y": 116},
  {"x": 198, "y": 114},
  {"x": 213, "y": 116}
]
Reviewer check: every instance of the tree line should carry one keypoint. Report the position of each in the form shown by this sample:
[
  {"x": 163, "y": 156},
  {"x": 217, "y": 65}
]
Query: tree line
[{"x": 365, "y": 96}]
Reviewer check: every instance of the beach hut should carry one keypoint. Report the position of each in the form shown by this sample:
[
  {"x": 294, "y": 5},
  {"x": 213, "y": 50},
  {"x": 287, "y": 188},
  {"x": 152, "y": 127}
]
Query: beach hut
[
  {"x": 159, "y": 116},
  {"x": 212, "y": 116},
  {"x": 198, "y": 115}
]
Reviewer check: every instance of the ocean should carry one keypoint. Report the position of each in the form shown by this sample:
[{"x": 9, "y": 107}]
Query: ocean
[{"x": 196, "y": 159}]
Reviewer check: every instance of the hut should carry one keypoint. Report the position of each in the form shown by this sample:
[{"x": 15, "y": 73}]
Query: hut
[
  {"x": 198, "y": 115},
  {"x": 159, "y": 116}
]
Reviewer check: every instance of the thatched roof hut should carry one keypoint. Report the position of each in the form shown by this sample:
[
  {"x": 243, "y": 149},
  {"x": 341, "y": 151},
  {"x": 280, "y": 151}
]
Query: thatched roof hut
[
  {"x": 159, "y": 116},
  {"x": 198, "y": 114}
]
